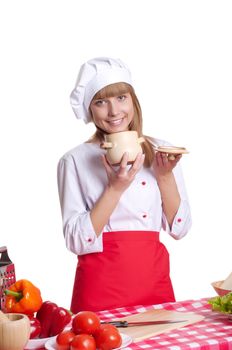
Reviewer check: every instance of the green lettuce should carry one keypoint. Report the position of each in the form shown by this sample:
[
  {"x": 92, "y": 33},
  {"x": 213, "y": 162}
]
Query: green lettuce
[{"x": 222, "y": 304}]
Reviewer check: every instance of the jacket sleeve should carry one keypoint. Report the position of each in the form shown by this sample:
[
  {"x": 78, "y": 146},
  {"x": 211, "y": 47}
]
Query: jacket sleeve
[
  {"x": 79, "y": 234},
  {"x": 182, "y": 221}
]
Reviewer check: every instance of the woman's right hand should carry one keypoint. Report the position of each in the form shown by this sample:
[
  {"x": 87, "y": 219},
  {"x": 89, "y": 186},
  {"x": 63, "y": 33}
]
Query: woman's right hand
[{"x": 120, "y": 179}]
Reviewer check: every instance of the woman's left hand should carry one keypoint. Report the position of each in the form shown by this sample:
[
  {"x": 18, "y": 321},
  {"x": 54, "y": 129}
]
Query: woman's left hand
[{"x": 163, "y": 165}]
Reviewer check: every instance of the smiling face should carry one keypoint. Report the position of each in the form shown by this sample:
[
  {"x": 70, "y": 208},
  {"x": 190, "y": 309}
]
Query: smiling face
[{"x": 112, "y": 111}]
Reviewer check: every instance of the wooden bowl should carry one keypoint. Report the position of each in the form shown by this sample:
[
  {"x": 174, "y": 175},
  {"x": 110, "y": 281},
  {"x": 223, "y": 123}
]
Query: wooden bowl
[
  {"x": 217, "y": 287},
  {"x": 14, "y": 332}
]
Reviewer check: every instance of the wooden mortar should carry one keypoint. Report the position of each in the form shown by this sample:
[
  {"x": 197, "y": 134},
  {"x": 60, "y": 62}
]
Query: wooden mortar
[{"x": 14, "y": 331}]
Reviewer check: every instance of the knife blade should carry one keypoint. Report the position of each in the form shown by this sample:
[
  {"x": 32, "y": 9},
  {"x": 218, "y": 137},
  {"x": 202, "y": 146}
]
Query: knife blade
[{"x": 125, "y": 323}]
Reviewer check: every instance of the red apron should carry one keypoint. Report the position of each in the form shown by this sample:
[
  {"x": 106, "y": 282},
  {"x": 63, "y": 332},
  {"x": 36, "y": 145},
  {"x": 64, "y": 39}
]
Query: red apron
[{"x": 133, "y": 269}]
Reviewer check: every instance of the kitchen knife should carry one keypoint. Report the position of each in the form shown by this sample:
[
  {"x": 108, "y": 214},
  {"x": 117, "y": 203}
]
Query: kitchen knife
[{"x": 125, "y": 324}]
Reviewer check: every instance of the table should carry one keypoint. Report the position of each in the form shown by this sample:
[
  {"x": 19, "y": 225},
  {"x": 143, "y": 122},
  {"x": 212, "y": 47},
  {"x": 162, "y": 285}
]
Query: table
[{"x": 213, "y": 333}]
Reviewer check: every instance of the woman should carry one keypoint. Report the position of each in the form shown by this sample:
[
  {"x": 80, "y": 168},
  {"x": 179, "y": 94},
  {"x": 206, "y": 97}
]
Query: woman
[{"x": 112, "y": 215}]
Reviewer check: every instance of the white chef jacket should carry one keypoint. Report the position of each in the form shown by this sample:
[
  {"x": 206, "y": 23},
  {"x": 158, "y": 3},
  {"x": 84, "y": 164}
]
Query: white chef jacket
[{"x": 82, "y": 179}]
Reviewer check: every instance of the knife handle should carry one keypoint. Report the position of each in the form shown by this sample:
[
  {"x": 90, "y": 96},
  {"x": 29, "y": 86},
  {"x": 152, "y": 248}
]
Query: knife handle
[{"x": 122, "y": 324}]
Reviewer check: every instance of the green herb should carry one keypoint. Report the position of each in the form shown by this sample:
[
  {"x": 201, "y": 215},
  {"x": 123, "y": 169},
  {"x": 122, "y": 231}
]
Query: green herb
[{"x": 222, "y": 304}]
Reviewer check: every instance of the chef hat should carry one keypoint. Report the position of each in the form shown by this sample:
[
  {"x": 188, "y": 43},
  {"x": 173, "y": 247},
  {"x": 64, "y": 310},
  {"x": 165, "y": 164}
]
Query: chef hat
[{"x": 94, "y": 75}]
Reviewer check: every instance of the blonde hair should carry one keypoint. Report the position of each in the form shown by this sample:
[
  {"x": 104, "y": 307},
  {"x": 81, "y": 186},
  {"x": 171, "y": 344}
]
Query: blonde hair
[{"x": 136, "y": 124}]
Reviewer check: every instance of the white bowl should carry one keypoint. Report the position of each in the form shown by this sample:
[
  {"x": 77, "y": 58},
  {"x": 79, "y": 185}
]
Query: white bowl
[
  {"x": 126, "y": 340},
  {"x": 37, "y": 343}
]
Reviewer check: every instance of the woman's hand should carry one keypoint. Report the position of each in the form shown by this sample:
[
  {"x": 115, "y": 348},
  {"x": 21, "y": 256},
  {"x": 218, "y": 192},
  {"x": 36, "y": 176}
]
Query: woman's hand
[
  {"x": 163, "y": 165},
  {"x": 120, "y": 179}
]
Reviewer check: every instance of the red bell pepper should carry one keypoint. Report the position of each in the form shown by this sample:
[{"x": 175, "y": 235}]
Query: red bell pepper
[
  {"x": 60, "y": 318},
  {"x": 53, "y": 319},
  {"x": 35, "y": 327},
  {"x": 44, "y": 316}
]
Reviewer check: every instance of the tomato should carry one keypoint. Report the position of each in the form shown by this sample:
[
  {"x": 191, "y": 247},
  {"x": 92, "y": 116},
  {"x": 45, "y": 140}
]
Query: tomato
[
  {"x": 85, "y": 322},
  {"x": 105, "y": 326},
  {"x": 83, "y": 342},
  {"x": 108, "y": 337},
  {"x": 64, "y": 339}
]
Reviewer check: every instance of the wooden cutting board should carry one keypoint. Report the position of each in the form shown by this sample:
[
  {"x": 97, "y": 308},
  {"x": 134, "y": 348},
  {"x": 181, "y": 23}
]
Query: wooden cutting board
[{"x": 142, "y": 332}]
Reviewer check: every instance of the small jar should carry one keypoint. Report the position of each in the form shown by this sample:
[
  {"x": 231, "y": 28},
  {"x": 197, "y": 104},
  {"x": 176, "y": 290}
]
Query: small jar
[{"x": 118, "y": 143}]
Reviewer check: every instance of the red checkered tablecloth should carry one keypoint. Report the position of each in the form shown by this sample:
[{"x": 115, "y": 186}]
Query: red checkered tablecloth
[{"x": 213, "y": 333}]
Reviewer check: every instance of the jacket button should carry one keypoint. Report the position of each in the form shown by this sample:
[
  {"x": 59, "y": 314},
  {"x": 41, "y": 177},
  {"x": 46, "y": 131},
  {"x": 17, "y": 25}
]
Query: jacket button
[
  {"x": 179, "y": 220},
  {"x": 144, "y": 215},
  {"x": 143, "y": 183},
  {"x": 89, "y": 239}
]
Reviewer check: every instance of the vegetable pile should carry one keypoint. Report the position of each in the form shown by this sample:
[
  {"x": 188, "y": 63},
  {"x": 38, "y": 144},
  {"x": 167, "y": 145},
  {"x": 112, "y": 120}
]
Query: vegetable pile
[
  {"x": 222, "y": 304},
  {"x": 47, "y": 319},
  {"x": 87, "y": 333}
]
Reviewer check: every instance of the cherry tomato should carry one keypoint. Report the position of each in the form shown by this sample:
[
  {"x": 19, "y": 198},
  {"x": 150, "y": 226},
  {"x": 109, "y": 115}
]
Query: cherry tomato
[
  {"x": 64, "y": 339},
  {"x": 108, "y": 337},
  {"x": 85, "y": 322},
  {"x": 105, "y": 326},
  {"x": 83, "y": 342}
]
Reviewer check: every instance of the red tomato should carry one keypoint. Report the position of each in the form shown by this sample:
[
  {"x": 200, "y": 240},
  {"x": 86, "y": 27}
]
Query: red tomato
[
  {"x": 105, "y": 326},
  {"x": 108, "y": 326},
  {"x": 108, "y": 337},
  {"x": 85, "y": 322},
  {"x": 83, "y": 342},
  {"x": 63, "y": 340}
]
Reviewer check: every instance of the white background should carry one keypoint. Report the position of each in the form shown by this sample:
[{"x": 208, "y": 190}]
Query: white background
[{"x": 180, "y": 56}]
